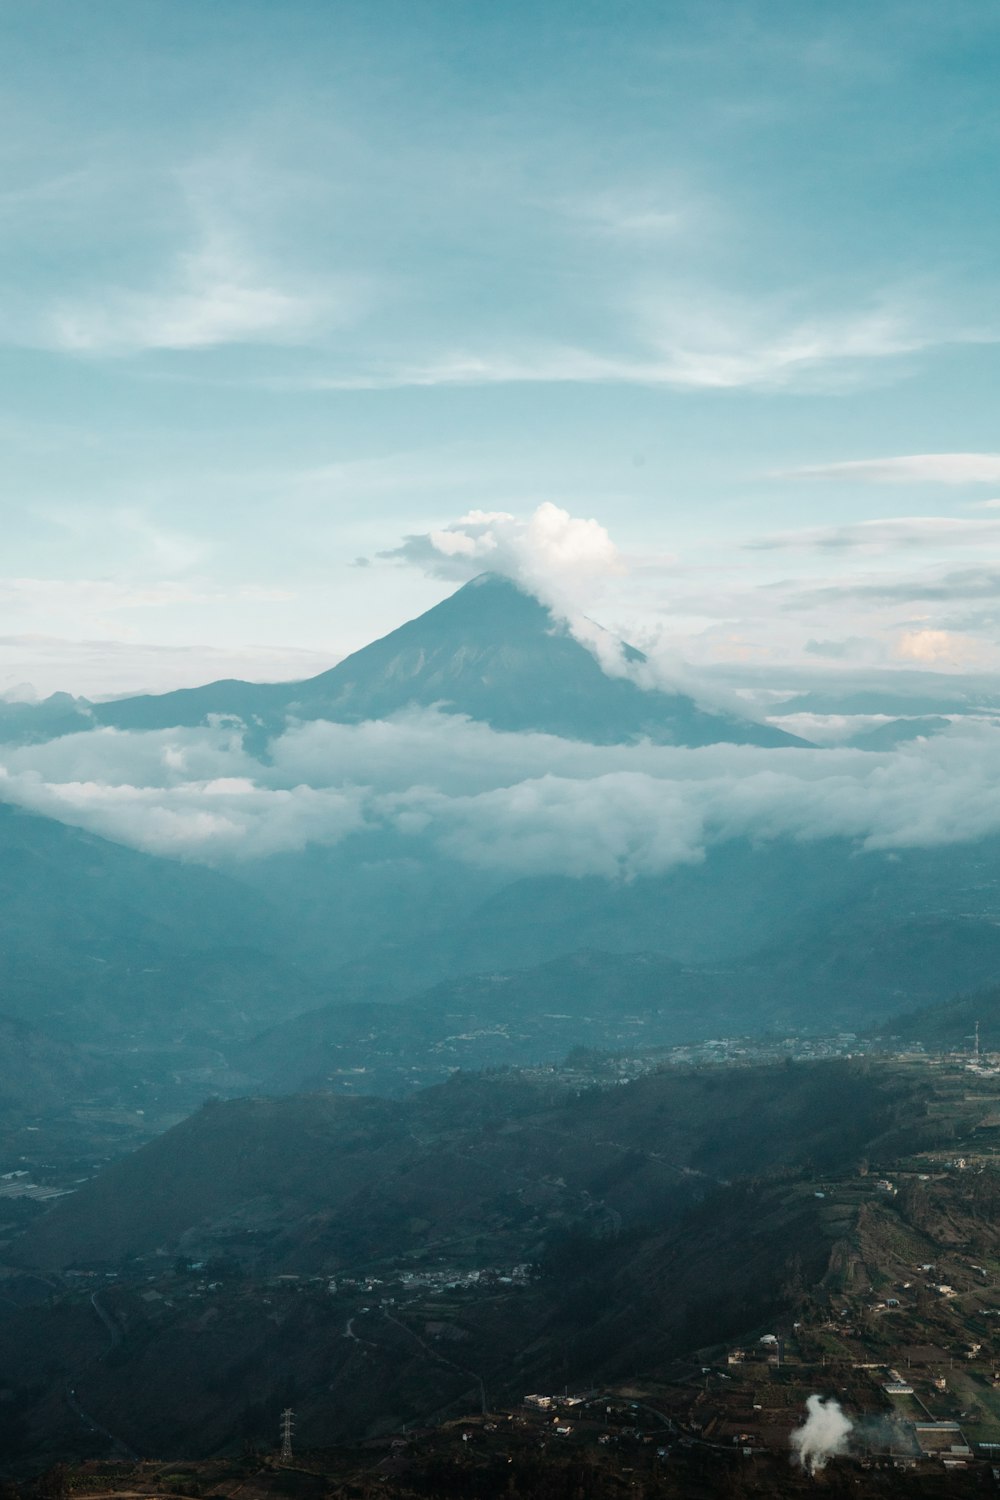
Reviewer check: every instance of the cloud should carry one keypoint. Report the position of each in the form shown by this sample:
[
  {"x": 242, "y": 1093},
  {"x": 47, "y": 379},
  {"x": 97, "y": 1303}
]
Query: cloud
[
  {"x": 514, "y": 804},
  {"x": 551, "y": 553},
  {"x": 20, "y": 692},
  {"x": 851, "y": 647},
  {"x": 97, "y": 595},
  {"x": 683, "y": 338},
  {"x": 886, "y": 535},
  {"x": 227, "y": 818},
  {"x": 104, "y": 666},
  {"x": 830, "y": 729},
  {"x": 937, "y": 647},
  {"x": 559, "y": 559},
  {"x": 637, "y": 217},
  {"x": 891, "y": 590},
  {"x": 213, "y": 295},
  {"x": 914, "y": 468}
]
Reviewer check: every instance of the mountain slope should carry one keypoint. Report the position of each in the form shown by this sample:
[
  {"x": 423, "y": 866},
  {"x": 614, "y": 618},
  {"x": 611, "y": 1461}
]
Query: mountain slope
[
  {"x": 39, "y": 1072},
  {"x": 491, "y": 652},
  {"x": 333, "y": 1179},
  {"x": 95, "y": 938}
]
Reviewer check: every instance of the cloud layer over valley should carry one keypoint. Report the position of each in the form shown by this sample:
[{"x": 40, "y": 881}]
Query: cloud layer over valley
[{"x": 518, "y": 804}]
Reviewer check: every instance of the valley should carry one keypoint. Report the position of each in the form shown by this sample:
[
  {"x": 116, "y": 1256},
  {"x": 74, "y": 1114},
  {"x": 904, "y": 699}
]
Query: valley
[
  {"x": 397, "y": 1134},
  {"x": 697, "y": 1250}
]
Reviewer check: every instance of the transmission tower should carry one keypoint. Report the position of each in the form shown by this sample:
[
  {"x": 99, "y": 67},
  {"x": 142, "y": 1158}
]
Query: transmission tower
[{"x": 287, "y": 1427}]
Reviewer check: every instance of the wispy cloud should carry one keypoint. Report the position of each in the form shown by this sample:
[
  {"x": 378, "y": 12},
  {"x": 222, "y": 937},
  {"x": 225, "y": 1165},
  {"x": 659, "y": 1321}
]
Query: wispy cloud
[
  {"x": 919, "y": 468},
  {"x": 891, "y": 589},
  {"x": 105, "y": 666},
  {"x": 885, "y": 535},
  {"x": 685, "y": 353},
  {"x": 640, "y": 217},
  {"x": 212, "y": 295}
]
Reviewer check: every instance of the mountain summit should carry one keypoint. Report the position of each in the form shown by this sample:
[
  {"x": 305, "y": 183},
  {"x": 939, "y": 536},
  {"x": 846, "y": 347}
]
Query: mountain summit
[{"x": 490, "y": 651}]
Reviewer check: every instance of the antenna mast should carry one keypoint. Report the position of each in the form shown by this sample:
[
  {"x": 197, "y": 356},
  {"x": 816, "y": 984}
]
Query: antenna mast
[{"x": 287, "y": 1426}]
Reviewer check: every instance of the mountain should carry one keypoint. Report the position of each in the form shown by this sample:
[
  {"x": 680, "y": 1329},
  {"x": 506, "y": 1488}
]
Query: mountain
[
  {"x": 100, "y": 941},
  {"x": 490, "y": 651},
  {"x": 39, "y": 1072},
  {"x": 518, "y": 1018},
  {"x": 310, "y": 1182},
  {"x": 846, "y": 971},
  {"x": 899, "y": 732},
  {"x": 951, "y": 1024},
  {"x": 33, "y": 723}
]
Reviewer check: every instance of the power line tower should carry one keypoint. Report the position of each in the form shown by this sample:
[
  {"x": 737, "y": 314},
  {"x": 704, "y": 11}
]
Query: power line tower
[{"x": 287, "y": 1428}]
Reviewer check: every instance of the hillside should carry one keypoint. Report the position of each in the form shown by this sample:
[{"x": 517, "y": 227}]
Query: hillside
[
  {"x": 330, "y": 1175},
  {"x": 97, "y": 940},
  {"x": 379, "y": 1263},
  {"x": 951, "y": 1024},
  {"x": 39, "y": 1073}
]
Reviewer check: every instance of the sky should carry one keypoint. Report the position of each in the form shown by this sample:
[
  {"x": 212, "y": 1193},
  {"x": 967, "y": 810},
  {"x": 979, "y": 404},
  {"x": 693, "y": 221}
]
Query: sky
[{"x": 693, "y": 309}]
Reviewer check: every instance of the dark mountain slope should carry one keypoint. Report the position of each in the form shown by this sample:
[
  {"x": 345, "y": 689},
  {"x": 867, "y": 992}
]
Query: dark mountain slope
[
  {"x": 38, "y": 1072},
  {"x": 96, "y": 938},
  {"x": 632, "y": 1203},
  {"x": 330, "y": 1179},
  {"x": 951, "y": 1024},
  {"x": 490, "y": 651}
]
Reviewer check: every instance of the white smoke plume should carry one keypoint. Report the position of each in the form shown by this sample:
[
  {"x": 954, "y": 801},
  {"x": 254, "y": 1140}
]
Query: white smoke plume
[{"x": 823, "y": 1435}]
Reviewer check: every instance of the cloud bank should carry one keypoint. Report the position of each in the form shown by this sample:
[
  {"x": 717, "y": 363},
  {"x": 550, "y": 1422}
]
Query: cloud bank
[{"x": 524, "y": 804}]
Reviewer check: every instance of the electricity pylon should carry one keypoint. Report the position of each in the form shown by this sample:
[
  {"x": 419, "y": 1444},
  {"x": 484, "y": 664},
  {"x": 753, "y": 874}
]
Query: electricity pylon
[{"x": 287, "y": 1426}]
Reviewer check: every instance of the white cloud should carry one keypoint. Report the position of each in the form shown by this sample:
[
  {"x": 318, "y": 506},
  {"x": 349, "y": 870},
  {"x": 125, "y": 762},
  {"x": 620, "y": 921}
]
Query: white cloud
[
  {"x": 914, "y": 468},
  {"x": 557, "y": 557},
  {"x": 225, "y": 818},
  {"x": 213, "y": 295},
  {"x": 551, "y": 553},
  {"x": 938, "y": 647},
  {"x": 683, "y": 338},
  {"x": 519, "y": 804}
]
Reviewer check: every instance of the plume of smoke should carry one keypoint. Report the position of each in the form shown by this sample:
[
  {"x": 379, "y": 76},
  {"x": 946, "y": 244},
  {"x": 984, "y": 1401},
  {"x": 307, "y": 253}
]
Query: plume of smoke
[
  {"x": 882, "y": 1434},
  {"x": 823, "y": 1435}
]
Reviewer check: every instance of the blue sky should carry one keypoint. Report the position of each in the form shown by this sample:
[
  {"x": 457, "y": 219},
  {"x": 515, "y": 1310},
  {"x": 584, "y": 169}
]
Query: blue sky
[{"x": 286, "y": 284}]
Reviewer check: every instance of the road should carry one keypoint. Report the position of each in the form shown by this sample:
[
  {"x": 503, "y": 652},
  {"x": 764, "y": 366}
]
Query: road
[{"x": 90, "y": 1422}]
